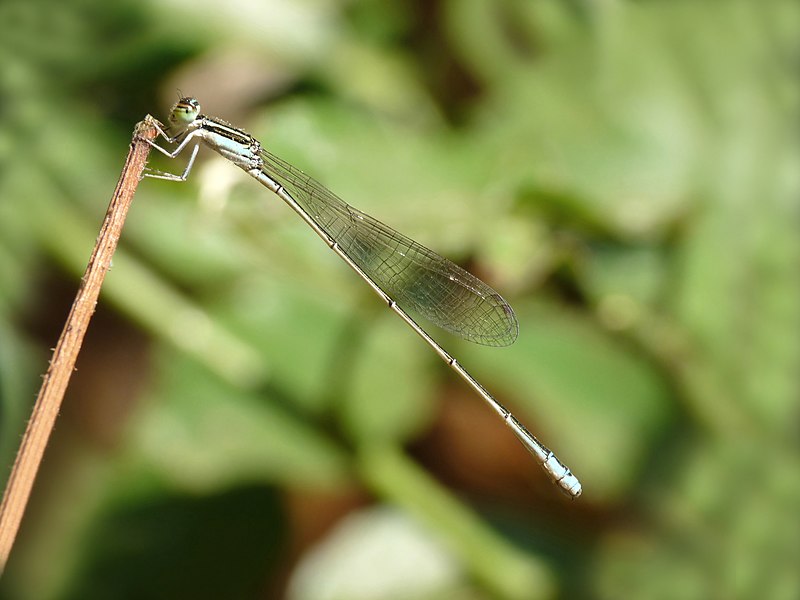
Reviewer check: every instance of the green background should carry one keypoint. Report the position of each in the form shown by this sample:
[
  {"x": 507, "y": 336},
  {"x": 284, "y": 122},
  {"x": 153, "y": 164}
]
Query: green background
[{"x": 247, "y": 420}]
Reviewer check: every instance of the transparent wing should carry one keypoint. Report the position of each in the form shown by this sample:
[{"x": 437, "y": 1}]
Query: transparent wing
[{"x": 417, "y": 279}]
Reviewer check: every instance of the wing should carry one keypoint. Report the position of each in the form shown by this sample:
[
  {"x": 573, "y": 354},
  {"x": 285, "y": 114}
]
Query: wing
[{"x": 417, "y": 278}]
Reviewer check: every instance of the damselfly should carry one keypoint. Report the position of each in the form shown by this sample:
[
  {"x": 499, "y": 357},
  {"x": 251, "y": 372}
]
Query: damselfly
[{"x": 405, "y": 274}]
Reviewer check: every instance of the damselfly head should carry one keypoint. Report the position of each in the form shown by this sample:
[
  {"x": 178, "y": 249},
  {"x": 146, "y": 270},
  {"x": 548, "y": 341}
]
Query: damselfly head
[{"x": 184, "y": 112}]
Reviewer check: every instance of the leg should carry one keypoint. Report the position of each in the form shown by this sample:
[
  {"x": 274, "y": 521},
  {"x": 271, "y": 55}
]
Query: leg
[
  {"x": 181, "y": 146},
  {"x": 148, "y": 172}
]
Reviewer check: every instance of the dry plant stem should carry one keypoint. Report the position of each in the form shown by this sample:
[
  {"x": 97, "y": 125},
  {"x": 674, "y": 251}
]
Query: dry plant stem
[{"x": 65, "y": 354}]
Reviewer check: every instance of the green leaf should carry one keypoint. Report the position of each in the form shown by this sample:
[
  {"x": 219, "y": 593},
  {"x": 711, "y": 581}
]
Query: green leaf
[
  {"x": 200, "y": 546},
  {"x": 200, "y": 432}
]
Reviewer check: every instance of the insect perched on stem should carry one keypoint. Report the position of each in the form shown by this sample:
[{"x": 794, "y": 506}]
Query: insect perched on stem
[{"x": 405, "y": 274}]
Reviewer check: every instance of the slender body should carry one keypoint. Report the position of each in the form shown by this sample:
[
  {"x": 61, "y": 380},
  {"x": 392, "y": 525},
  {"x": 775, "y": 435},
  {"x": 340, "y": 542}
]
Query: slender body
[{"x": 397, "y": 268}]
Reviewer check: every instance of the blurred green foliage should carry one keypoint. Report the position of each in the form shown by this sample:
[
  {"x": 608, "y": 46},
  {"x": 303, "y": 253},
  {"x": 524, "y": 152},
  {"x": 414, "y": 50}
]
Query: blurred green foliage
[{"x": 625, "y": 173}]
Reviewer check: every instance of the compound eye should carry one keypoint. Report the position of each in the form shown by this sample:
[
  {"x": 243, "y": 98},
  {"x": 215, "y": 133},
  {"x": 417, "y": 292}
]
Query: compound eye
[{"x": 184, "y": 111}]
